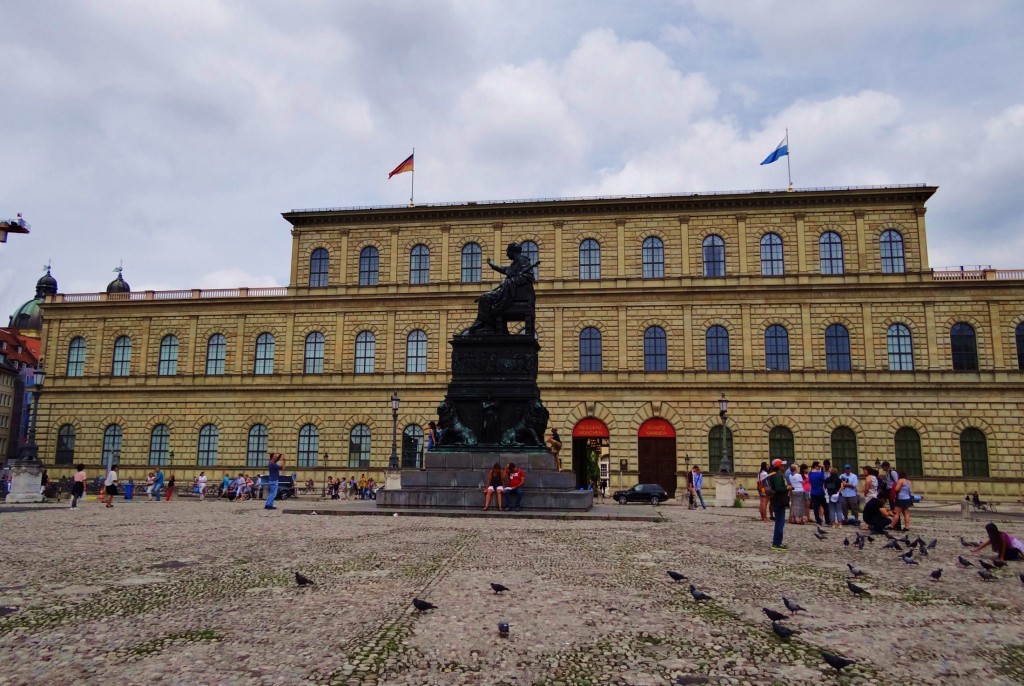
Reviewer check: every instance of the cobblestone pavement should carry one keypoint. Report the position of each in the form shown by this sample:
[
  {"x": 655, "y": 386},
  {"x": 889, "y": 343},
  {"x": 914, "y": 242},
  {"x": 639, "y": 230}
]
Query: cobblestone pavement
[{"x": 204, "y": 593}]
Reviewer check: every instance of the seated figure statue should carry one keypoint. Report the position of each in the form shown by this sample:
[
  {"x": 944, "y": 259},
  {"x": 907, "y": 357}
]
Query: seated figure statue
[{"x": 493, "y": 306}]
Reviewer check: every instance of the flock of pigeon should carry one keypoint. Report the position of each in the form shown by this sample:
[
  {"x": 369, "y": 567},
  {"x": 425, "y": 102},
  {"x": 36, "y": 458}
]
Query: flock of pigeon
[
  {"x": 781, "y": 630},
  {"x": 918, "y": 545}
]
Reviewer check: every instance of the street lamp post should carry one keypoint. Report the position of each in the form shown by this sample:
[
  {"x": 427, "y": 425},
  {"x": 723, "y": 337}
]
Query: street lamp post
[
  {"x": 724, "y": 465},
  {"x": 30, "y": 451},
  {"x": 725, "y": 482},
  {"x": 323, "y": 494},
  {"x": 393, "y": 464}
]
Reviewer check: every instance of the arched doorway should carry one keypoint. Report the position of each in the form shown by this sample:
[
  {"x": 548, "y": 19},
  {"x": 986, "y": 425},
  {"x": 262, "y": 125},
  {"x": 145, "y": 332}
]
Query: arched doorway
[
  {"x": 656, "y": 454},
  {"x": 589, "y": 444}
]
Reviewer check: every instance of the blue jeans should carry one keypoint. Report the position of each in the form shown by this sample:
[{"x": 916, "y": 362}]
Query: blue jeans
[
  {"x": 272, "y": 486},
  {"x": 779, "y": 510},
  {"x": 700, "y": 496},
  {"x": 516, "y": 497},
  {"x": 156, "y": 492}
]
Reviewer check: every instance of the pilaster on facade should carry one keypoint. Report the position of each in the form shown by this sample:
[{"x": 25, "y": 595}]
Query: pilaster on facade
[
  {"x": 862, "y": 250},
  {"x": 684, "y": 244},
  {"x": 801, "y": 243},
  {"x": 741, "y": 241}
]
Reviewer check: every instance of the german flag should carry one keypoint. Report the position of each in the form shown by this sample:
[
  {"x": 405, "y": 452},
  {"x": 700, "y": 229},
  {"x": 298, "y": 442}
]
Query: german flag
[{"x": 405, "y": 166}]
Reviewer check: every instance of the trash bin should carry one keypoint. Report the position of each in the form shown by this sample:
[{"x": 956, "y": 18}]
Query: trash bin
[{"x": 129, "y": 491}]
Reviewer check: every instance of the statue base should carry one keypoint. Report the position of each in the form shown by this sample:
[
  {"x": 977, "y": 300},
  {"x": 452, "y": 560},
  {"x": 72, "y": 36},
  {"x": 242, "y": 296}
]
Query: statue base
[
  {"x": 456, "y": 480},
  {"x": 25, "y": 482},
  {"x": 725, "y": 490}
]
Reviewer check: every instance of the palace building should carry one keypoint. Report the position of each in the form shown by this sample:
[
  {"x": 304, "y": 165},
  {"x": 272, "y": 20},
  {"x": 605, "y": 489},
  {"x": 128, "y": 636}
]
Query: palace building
[{"x": 814, "y": 312}]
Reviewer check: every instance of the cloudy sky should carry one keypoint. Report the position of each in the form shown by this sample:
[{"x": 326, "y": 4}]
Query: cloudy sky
[{"x": 171, "y": 135}]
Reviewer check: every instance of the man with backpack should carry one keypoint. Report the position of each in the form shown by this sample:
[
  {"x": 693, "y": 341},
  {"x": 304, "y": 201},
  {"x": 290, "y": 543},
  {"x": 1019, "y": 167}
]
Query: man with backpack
[
  {"x": 885, "y": 485},
  {"x": 777, "y": 488}
]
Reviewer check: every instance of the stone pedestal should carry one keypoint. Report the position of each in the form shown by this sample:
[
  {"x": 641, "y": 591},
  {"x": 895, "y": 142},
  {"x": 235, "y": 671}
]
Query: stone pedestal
[
  {"x": 393, "y": 480},
  {"x": 456, "y": 480},
  {"x": 25, "y": 480},
  {"x": 725, "y": 490}
]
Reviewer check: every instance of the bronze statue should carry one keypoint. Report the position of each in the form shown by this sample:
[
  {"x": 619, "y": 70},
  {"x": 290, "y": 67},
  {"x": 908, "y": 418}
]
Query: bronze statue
[{"x": 512, "y": 300}]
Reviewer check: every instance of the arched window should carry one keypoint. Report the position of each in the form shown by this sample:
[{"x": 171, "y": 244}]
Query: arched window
[
  {"x": 771, "y": 255},
  {"x": 964, "y": 345},
  {"x": 716, "y": 340},
  {"x": 837, "y": 349},
  {"x": 369, "y": 266},
  {"x": 974, "y": 453},
  {"x": 412, "y": 446},
  {"x": 366, "y": 350},
  {"x": 891, "y": 247},
  {"x": 907, "y": 445},
  {"x": 206, "y": 454},
  {"x": 844, "y": 448},
  {"x": 776, "y": 348},
  {"x": 1019, "y": 337},
  {"x": 319, "y": 266},
  {"x": 653, "y": 255},
  {"x": 307, "y": 454},
  {"x": 655, "y": 350},
  {"x": 419, "y": 264},
  {"x": 256, "y": 446},
  {"x": 714, "y": 256},
  {"x": 76, "y": 357},
  {"x": 313, "y": 358},
  {"x": 471, "y": 263},
  {"x": 168, "y": 365},
  {"x": 715, "y": 448},
  {"x": 830, "y": 253},
  {"x": 590, "y": 350},
  {"x": 159, "y": 445},
  {"x": 111, "y": 445},
  {"x": 532, "y": 253},
  {"x": 264, "y": 354},
  {"x": 122, "y": 363},
  {"x": 780, "y": 444},
  {"x": 416, "y": 352},
  {"x": 216, "y": 352},
  {"x": 65, "y": 445},
  {"x": 900, "y": 345},
  {"x": 590, "y": 260},
  {"x": 359, "y": 447}
]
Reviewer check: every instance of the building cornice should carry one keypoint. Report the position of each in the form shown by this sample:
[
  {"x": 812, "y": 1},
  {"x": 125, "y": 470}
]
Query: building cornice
[{"x": 622, "y": 207}]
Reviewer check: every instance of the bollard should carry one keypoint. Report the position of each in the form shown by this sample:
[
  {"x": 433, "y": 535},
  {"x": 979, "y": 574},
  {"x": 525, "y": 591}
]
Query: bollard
[{"x": 965, "y": 509}]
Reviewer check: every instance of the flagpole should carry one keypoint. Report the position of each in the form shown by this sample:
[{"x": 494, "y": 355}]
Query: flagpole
[
  {"x": 789, "y": 153},
  {"x": 412, "y": 180}
]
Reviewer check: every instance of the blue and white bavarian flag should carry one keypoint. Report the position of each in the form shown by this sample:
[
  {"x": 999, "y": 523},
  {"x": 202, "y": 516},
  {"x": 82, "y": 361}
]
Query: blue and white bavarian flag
[{"x": 780, "y": 151}]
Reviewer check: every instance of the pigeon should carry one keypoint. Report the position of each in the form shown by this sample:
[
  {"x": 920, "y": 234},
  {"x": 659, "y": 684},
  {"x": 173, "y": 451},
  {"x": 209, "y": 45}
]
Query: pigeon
[
  {"x": 837, "y": 662},
  {"x": 987, "y": 565},
  {"x": 998, "y": 563},
  {"x": 822, "y": 531},
  {"x": 936, "y": 574},
  {"x": 860, "y": 544},
  {"x": 820, "y": 537},
  {"x": 676, "y": 576},
  {"x": 783, "y": 631},
  {"x": 498, "y": 588},
  {"x": 908, "y": 559},
  {"x": 871, "y": 539},
  {"x": 964, "y": 561},
  {"x": 302, "y": 580},
  {"x": 503, "y": 629},
  {"x": 931, "y": 544},
  {"x": 855, "y": 589},
  {"x": 422, "y": 605},
  {"x": 967, "y": 544},
  {"x": 698, "y": 595},
  {"x": 792, "y": 606},
  {"x": 905, "y": 540},
  {"x": 893, "y": 545},
  {"x": 889, "y": 535},
  {"x": 854, "y": 571},
  {"x": 773, "y": 615},
  {"x": 923, "y": 551},
  {"x": 846, "y": 542},
  {"x": 987, "y": 575}
]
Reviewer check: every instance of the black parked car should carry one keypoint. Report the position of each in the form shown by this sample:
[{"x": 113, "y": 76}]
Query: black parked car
[
  {"x": 285, "y": 487},
  {"x": 642, "y": 493}
]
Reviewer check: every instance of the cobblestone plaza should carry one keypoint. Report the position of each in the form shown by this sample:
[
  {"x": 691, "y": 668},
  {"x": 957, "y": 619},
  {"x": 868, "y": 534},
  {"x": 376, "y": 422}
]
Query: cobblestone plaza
[{"x": 204, "y": 593}]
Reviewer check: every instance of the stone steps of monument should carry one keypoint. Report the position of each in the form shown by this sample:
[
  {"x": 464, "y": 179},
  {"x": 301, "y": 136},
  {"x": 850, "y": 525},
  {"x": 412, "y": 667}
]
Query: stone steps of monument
[
  {"x": 433, "y": 497},
  {"x": 530, "y": 461},
  {"x": 471, "y": 478}
]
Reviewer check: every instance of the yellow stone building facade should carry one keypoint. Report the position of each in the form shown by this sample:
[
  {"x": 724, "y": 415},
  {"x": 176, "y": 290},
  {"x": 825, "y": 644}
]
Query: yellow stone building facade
[{"x": 815, "y": 312}]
